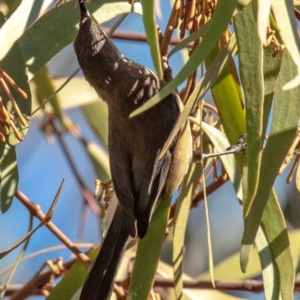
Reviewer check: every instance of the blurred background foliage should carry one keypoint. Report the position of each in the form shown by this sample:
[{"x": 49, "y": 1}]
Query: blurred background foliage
[{"x": 236, "y": 66}]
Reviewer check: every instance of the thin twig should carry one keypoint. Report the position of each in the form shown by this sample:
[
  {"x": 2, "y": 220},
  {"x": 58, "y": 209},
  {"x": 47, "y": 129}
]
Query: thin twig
[
  {"x": 44, "y": 251},
  {"x": 254, "y": 286},
  {"x": 88, "y": 197},
  {"x": 36, "y": 211}
]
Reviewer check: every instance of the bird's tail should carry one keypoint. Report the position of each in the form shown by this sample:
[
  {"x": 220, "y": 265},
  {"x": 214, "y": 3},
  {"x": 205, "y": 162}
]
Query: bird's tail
[{"x": 100, "y": 281}]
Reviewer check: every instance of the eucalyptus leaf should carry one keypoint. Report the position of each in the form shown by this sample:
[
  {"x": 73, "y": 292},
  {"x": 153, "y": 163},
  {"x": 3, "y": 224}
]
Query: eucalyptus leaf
[
  {"x": 58, "y": 28},
  {"x": 148, "y": 250},
  {"x": 13, "y": 64},
  {"x": 183, "y": 205},
  {"x": 285, "y": 18},
  {"x": 216, "y": 28},
  {"x": 206, "y": 82},
  {"x": 251, "y": 54},
  {"x": 96, "y": 115},
  {"x": 72, "y": 281},
  {"x": 18, "y": 22},
  {"x": 152, "y": 34},
  {"x": 9, "y": 176}
]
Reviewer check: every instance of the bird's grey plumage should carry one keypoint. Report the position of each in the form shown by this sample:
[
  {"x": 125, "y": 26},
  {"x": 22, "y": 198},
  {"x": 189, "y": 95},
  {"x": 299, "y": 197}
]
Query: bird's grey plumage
[{"x": 134, "y": 144}]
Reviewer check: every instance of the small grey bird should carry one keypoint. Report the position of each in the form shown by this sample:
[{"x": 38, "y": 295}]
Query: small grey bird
[{"x": 139, "y": 179}]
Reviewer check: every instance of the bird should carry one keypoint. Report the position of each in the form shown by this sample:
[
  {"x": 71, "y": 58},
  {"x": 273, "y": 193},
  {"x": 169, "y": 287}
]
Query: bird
[{"x": 138, "y": 173}]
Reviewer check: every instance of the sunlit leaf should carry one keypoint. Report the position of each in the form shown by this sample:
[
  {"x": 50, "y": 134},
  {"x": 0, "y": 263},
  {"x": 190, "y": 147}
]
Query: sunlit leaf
[
  {"x": 17, "y": 24},
  {"x": 210, "y": 77},
  {"x": 263, "y": 12},
  {"x": 99, "y": 158},
  {"x": 44, "y": 89},
  {"x": 9, "y": 176},
  {"x": 251, "y": 54},
  {"x": 216, "y": 28},
  {"x": 271, "y": 70},
  {"x": 227, "y": 95},
  {"x": 192, "y": 37},
  {"x": 97, "y": 116},
  {"x": 13, "y": 65},
  {"x": 272, "y": 264},
  {"x": 285, "y": 18},
  {"x": 72, "y": 281},
  {"x": 284, "y": 125},
  {"x": 152, "y": 34},
  {"x": 58, "y": 28},
  {"x": 183, "y": 204}
]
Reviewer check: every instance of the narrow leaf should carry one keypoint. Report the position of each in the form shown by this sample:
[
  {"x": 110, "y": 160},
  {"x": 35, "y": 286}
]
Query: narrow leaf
[
  {"x": 72, "y": 281},
  {"x": 189, "y": 39},
  {"x": 148, "y": 250},
  {"x": 44, "y": 89},
  {"x": 216, "y": 28},
  {"x": 183, "y": 205},
  {"x": 275, "y": 230},
  {"x": 152, "y": 34},
  {"x": 9, "y": 176},
  {"x": 263, "y": 12},
  {"x": 285, "y": 18},
  {"x": 271, "y": 242},
  {"x": 96, "y": 115},
  {"x": 227, "y": 96},
  {"x": 58, "y": 28},
  {"x": 99, "y": 158},
  {"x": 203, "y": 86},
  {"x": 13, "y": 64},
  {"x": 16, "y": 25},
  {"x": 251, "y": 54},
  {"x": 283, "y": 129}
]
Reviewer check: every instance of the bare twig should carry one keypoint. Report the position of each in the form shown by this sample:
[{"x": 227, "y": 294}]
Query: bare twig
[
  {"x": 36, "y": 211},
  {"x": 254, "y": 286},
  {"x": 209, "y": 190},
  {"x": 88, "y": 197}
]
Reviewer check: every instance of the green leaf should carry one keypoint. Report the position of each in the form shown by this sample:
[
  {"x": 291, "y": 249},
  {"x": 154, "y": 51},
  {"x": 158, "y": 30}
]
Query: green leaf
[
  {"x": 148, "y": 251},
  {"x": 277, "y": 235},
  {"x": 96, "y": 115},
  {"x": 210, "y": 77},
  {"x": 17, "y": 24},
  {"x": 44, "y": 89},
  {"x": 152, "y": 34},
  {"x": 189, "y": 39},
  {"x": 275, "y": 256},
  {"x": 72, "y": 281},
  {"x": 263, "y": 12},
  {"x": 183, "y": 205},
  {"x": 9, "y": 176},
  {"x": 271, "y": 70},
  {"x": 227, "y": 96},
  {"x": 251, "y": 54},
  {"x": 99, "y": 158},
  {"x": 285, "y": 18},
  {"x": 58, "y": 28},
  {"x": 216, "y": 28},
  {"x": 268, "y": 266},
  {"x": 271, "y": 67},
  {"x": 283, "y": 129},
  {"x": 220, "y": 142},
  {"x": 13, "y": 64}
]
